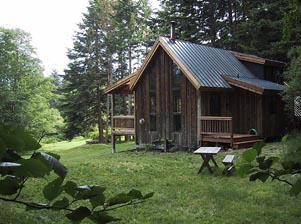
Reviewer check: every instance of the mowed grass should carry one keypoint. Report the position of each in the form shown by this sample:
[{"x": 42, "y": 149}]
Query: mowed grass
[{"x": 181, "y": 195}]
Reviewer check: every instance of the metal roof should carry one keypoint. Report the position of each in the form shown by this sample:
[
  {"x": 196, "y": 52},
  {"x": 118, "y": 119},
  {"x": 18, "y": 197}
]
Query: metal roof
[
  {"x": 208, "y": 65},
  {"x": 264, "y": 84}
]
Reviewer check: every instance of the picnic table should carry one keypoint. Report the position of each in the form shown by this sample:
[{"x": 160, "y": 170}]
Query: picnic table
[{"x": 207, "y": 154}]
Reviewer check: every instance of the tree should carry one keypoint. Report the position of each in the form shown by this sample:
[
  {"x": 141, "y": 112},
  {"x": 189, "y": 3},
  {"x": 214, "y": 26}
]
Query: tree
[
  {"x": 107, "y": 45},
  {"x": 16, "y": 171},
  {"x": 88, "y": 70},
  {"x": 25, "y": 93},
  {"x": 261, "y": 33},
  {"x": 292, "y": 91}
]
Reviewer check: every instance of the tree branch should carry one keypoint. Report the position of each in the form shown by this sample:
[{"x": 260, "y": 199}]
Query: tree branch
[
  {"x": 36, "y": 205},
  {"x": 279, "y": 179}
]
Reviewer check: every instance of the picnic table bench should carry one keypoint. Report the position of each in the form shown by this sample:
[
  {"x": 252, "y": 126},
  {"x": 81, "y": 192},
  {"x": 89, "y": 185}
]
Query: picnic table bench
[{"x": 228, "y": 161}]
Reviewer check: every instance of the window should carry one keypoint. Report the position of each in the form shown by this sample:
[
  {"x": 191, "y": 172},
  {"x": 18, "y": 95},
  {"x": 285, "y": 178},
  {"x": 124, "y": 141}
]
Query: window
[{"x": 152, "y": 101}]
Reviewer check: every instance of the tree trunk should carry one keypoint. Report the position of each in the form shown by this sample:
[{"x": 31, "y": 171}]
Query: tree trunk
[{"x": 100, "y": 124}]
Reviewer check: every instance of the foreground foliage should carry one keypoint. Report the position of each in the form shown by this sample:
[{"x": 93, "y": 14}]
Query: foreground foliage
[
  {"x": 16, "y": 171},
  {"x": 286, "y": 169}
]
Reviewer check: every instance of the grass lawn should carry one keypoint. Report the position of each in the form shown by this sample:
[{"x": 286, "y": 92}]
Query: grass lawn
[{"x": 181, "y": 195}]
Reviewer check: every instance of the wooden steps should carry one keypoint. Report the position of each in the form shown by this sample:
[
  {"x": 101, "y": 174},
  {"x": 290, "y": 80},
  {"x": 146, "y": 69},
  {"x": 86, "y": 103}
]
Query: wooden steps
[
  {"x": 245, "y": 144},
  {"x": 239, "y": 140}
]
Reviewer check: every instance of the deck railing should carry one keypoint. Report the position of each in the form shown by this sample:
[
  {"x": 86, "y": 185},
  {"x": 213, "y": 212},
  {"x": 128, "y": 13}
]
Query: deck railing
[
  {"x": 123, "y": 123},
  {"x": 216, "y": 126}
]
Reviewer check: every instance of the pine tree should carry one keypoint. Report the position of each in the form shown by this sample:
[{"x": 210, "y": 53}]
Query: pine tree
[
  {"x": 261, "y": 34},
  {"x": 87, "y": 75}
]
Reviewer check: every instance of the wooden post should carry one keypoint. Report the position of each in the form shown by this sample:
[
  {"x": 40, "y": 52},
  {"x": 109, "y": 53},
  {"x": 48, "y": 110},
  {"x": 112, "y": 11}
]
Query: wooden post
[
  {"x": 199, "y": 137},
  {"x": 112, "y": 124},
  {"x": 231, "y": 127}
]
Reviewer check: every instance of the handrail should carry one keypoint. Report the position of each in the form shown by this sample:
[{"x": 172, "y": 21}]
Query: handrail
[
  {"x": 217, "y": 126},
  {"x": 123, "y": 121}
]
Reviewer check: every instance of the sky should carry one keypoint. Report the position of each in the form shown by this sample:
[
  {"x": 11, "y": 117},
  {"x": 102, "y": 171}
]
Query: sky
[{"x": 51, "y": 23}]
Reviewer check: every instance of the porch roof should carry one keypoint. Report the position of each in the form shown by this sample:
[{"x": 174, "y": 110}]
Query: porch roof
[
  {"x": 122, "y": 86},
  {"x": 258, "y": 86}
]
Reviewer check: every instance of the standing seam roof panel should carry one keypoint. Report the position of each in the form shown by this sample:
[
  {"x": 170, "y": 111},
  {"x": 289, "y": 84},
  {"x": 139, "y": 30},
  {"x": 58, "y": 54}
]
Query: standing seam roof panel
[{"x": 208, "y": 65}]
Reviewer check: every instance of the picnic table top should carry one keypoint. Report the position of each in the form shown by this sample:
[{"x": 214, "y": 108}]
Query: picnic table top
[{"x": 207, "y": 150}]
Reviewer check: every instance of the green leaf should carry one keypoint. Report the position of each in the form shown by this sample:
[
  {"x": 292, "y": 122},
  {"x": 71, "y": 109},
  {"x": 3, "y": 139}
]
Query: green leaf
[
  {"x": 266, "y": 164},
  {"x": 279, "y": 173},
  {"x": 57, "y": 167},
  {"x": 119, "y": 199},
  {"x": 98, "y": 200},
  {"x": 33, "y": 167},
  {"x": 61, "y": 203},
  {"x": 18, "y": 139},
  {"x": 249, "y": 155},
  {"x": 58, "y": 157},
  {"x": 258, "y": 147},
  {"x": 71, "y": 188},
  {"x": 89, "y": 191},
  {"x": 284, "y": 138},
  {"x": 296, "y": 188},
  {"x": 260, "y": 175},
  {"x": 260, "y": 159},
  {"x": 149, "y": 195},
  {"x": 102, "y": 217},
  {"x": 11, "y": 156},
  {"x": 79, "y": 214},
  {"x": 53, "y": 189},
  {"x": 9, "y": 186},
  {"x": 8, "y": 167},
  {"x": 135, "y": 194}
]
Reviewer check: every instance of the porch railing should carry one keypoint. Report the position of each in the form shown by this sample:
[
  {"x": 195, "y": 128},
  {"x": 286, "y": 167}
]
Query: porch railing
[
  {"x": 124, "y": 123},
  {"x": 216, "y": 126}
]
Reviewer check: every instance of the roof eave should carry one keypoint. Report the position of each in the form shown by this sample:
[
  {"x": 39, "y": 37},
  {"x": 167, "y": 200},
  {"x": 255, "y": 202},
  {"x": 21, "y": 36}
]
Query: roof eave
[
  {"x": 258, "y": 60},
  {"x": 249, "y": 87},
  {"x": 122, "y": 86}
]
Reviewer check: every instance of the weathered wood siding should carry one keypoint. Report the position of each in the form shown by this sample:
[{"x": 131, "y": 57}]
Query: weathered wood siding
[
  {"x": 162, "y": 66},
  {"x": 249, "y": 110},
  {"x": 273, "y": 116}
]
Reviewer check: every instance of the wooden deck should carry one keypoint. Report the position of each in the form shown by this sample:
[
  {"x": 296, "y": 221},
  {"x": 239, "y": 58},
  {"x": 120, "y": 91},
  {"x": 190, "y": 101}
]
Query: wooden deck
[
  {"x": 220, "y": 130},
  {"x": 237, "y": 141}
]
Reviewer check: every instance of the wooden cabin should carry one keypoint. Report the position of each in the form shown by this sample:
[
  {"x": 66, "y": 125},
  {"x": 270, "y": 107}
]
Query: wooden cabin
[{"x": 193, "y": 94}]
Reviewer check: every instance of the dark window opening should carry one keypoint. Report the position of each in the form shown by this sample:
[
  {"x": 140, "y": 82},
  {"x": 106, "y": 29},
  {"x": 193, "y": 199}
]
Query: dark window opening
[
  {"x": 177, "y": 122},
  {"x": 153, "y": 123},
  {"x": 177, "y": 100},
  {"x": 215, "y": 105},
  {"x": 153, "y": 101}
]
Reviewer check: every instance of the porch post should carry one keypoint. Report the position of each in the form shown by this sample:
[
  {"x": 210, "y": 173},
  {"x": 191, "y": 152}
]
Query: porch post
[
  {"x": 199, "y": 138},
  {"x": 112, "y": 124}
]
